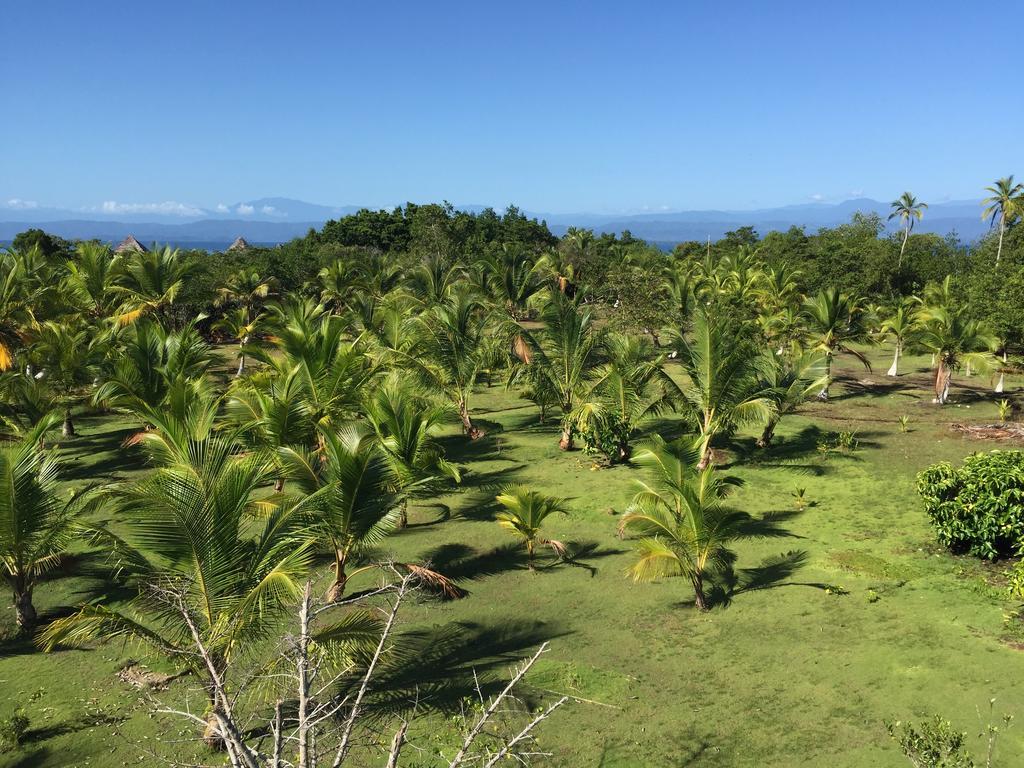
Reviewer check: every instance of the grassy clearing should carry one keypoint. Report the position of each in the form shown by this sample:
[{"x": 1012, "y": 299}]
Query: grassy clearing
[{"x": 796, "y": 667}]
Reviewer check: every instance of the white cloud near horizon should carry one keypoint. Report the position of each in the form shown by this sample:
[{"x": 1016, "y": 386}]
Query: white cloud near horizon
[
  {"x": 245, "y": 210},
  {"x": 21, "y": 205},
  {"x": 221, "y": 208},
  {"x": 166, "y": 208}
]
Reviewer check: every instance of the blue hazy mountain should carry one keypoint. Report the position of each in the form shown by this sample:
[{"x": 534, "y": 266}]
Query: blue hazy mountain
[{"x": 278, "y": 219}]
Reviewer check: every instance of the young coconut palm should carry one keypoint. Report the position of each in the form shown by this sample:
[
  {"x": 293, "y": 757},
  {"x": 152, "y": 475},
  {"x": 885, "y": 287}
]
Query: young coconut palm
[
  {"x": 956, "y": 341},
  {"x": 201, "y": 541},
  {"x": 630, "y": 388},
  {"x": 791, "y": 380},
  {"x": 835, "y": 322},
  {"x": 69, "y": 355},
  {"x": 524, "y": 514},
  {"x": 564, "y": 351},
  {"x": 725, "y": 377},
  {"x": 245, "y": 288},
  {"x": 679, "y": 518},
  {"x": 37, "y": 520},
  {"x": 1003, "y": 205},
  {"x": 149, "y": 282},
  {"x": 91, "y": 281},
  {"x": 404, "y": 424},
  {"x": 908, "y": 209},
  {"x": 449, "y": 350},
  {"x": 351, "y": 496},
  {"x": 901, "y": 326}
]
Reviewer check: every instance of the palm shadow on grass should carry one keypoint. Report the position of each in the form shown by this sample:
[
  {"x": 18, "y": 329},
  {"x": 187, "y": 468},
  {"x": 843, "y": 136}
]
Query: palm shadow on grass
[
  {"x": 773, "y": 572},
  {"x": 461, "y": 563},
  {"x": 440, "y": 668}
]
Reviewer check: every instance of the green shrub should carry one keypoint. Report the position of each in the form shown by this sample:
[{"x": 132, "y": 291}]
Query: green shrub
[
  {"x": 12, "y": 730},
  {"x": 977, "y": 508}
]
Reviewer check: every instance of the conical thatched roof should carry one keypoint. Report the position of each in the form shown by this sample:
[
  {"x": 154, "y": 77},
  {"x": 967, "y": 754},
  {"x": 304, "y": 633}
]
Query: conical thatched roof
[
  {"x": 130, "y": 244},
  {"x": 239, "y": 245}
]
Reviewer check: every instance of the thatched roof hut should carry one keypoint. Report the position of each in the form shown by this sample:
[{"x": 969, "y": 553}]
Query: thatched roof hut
[
  {"x": 130, "y": 244},
  {"x": 240, "y": 244}
]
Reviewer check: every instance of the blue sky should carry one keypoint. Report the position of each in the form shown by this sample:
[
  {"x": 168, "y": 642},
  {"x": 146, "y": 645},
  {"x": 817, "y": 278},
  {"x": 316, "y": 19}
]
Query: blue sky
[{"x": 555, "y": 106}]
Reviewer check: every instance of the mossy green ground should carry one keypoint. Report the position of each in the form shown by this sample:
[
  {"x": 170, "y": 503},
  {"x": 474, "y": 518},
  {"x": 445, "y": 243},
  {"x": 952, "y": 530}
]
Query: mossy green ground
[{"x": 877, "y": 624}]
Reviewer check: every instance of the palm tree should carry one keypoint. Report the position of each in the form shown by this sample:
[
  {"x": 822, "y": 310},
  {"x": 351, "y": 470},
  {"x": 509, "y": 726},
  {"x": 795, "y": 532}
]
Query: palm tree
[
  {"x": 1002, "y": 205},
  {"x": 524, "y": 514},
  {"x": 908, "y": 209},
  {"x": 790, "y": 381},
  {"x": 682, "y": 525},
  {"x": 215, "y": 561},
  {"x": 338, "y": 283},
  {"x": 37, "y": 521},
  {"x": 448, "y": 353},
  {"x": 17, "y": 303},
  {"x": 351, "y": 496},
  {"x": 513, "y": 278},
  {"x": 956, "y": 340},
  {"x": 630, "y": 388},
  {"x": 724, "y": 387},
  {"x": 565, "y": 352},
  {"x": 404, "y": 425},
  {"x": 901, "y": 326},
  {"x": 69, "y": 354},
  {"x": 91, "y": 281},
  {"x": 245, "y": 288},
  {"x": 240, "y": 324},
  {"x": 835, "y": 322},
  {"x": 150, "y": 281}
]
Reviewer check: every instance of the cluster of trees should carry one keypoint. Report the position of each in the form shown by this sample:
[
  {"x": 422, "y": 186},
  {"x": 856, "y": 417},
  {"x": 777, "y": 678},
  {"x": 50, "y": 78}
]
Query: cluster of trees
[{"x": 367, "y": 335}]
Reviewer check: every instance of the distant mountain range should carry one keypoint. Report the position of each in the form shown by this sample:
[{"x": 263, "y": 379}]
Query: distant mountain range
[{"x": 273, "y": 220}]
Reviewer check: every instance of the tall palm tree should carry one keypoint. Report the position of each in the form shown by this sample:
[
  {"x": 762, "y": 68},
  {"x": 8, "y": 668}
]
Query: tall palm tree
[
  {"x": 448, "y": 353},
  {"x": 908, "y": 209},
  {"x": 956, "y": 340},
  {"x": 1002, "y": 205},
  {"x": 631, "y": 387},
  {"x": 681, "y": 522},
  {"x": 513, "y": 278},
  {"x": 351, "y": 496},
  {"x": 338, "y": 283},
  {"x": 201, "y": 542},
  {"x": 724, "y": 380},
  {"x": 901, "y": 326},
  {"x": 565, "y": 351},
  {"x": 835, "y": 322},
  {"x": 241, "y": 325},
  {"x": 524, "y": 513},
  {"x": 37, "y": 520}
]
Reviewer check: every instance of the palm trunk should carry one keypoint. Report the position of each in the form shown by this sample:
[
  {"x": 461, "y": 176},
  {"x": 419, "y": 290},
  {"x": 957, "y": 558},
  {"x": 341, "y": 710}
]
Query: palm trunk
[
  {"x": 706, "y": 454},
  {"x": 25, "y": 611},
  {"x": 823, "y": 395},
  {"x": 279, "y": 484},
  {"x": 769, "y": 432},
  {"x": 529, "y": 554},
  {"x": 403, "y": 515},
  {"x": 698, "y": 592},
  {"x": 565, "y": 442},
  {"x": 68, "y": 429},
  {"x": 942, "y": 378},
  {"x": 893, "y": 369},
  {"x": 1000, "y": 384},
  {"x": 906, "y": 235},
  {"x": 241, "y": 365},
  {"x": 1002, "y": 231},
  {"x": 337, "y": 589},
  {"x": 624, "y": 451},
  {"x": 468, "y": 428}
]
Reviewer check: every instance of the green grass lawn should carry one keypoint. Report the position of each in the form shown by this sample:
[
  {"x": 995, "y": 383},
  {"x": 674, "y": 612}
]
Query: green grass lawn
[{"x": 789, "y": 674}]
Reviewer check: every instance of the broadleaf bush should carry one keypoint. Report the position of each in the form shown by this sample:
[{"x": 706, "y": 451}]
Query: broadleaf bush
[{"x": 978, "y": 507}]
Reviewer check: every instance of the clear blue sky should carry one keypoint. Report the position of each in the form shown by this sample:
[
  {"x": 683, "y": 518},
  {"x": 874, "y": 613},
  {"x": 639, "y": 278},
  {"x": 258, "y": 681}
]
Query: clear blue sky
[{"x": 596, "y": 106}]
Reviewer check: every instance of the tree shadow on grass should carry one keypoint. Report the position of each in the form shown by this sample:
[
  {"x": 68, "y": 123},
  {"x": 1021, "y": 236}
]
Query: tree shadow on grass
[
  {"x": 773, "y": 572},
  {"x": 463, "y": 563},
  {"x": 440, "y": 668}
]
